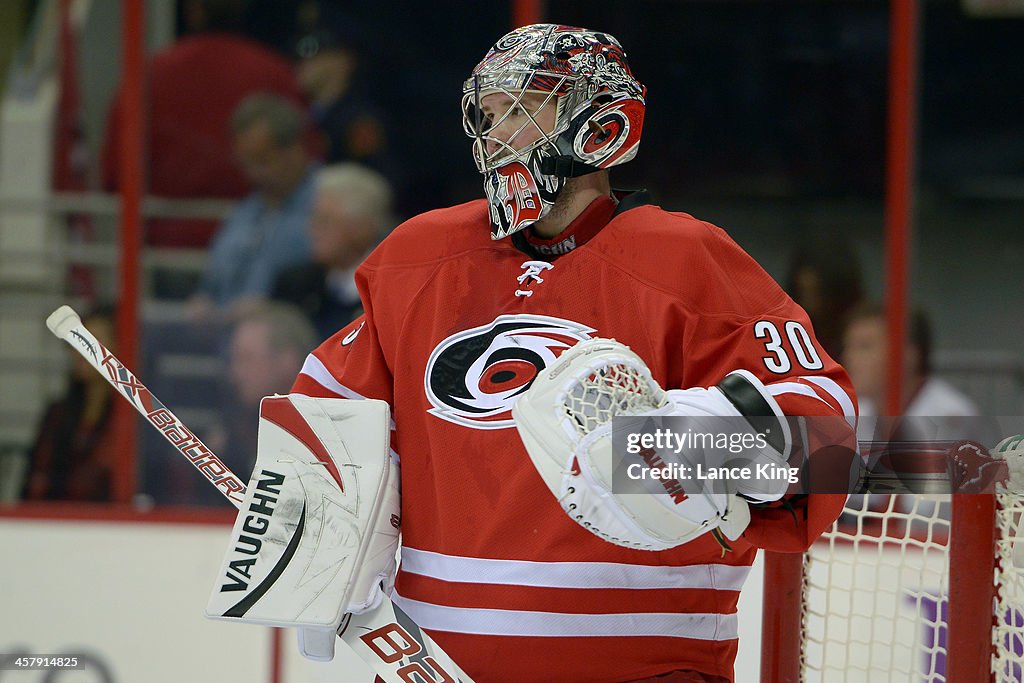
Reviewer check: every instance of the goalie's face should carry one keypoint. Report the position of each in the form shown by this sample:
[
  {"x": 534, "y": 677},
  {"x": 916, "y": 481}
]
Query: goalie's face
[{"x": 506, "y": 125}]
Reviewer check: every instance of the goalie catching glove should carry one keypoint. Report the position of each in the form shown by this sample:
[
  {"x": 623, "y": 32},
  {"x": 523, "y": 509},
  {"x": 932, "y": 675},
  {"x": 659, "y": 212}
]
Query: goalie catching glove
[
  {"x": 565, "y": 422},
  {"x": 318, "y": 529}
]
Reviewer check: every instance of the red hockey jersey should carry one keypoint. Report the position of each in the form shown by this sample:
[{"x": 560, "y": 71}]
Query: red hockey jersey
[{"x": 456, "y": 326}]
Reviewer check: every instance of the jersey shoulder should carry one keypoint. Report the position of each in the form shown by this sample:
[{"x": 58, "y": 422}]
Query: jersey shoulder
[
  {"x": 651, "y": 222},
  {"x": 436, "y": 235},
  {"x": 693, "y": 259}
]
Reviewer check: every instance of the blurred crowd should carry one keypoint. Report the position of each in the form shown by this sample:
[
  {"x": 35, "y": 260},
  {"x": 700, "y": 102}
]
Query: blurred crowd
[
  {"x": 292, "y": 133},
  {"x": 292, "y": 128}
]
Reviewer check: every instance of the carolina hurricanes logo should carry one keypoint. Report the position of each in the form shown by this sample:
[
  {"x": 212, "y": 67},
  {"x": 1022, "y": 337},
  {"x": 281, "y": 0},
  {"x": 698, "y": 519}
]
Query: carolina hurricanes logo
[
  {"x": 621, "y": 123},
  {"x": 473, "y": 377}
]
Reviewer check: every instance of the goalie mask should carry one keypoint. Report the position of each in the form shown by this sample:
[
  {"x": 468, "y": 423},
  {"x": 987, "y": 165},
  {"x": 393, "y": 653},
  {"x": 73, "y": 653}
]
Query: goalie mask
[{"x": 548, "y": 103}]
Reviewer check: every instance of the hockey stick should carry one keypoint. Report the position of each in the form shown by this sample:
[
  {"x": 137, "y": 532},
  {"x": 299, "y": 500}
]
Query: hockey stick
[
  {"x": 385, "y": 638},
  {"x": 65, "y": 324}
]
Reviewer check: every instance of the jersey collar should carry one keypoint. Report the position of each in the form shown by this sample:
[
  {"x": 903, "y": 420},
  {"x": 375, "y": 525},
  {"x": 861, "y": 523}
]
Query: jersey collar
[{"x": 590, "y": 222}]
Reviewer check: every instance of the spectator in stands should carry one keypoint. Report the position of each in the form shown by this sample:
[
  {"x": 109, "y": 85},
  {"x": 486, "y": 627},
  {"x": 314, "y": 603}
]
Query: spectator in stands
[
  {"x": 937, "y": 411},
  {"x": 341, "y": 105},
  {"x": 267, "y": 231},
  {"x": 194, "y": 85},
  {"x": 268, "y": 345},
  {"x": 351, "y": 213},
  {"x": 824, "y": 277},
  {"x": 865, "y": 348},
  {"x": 76, "y": 445}
]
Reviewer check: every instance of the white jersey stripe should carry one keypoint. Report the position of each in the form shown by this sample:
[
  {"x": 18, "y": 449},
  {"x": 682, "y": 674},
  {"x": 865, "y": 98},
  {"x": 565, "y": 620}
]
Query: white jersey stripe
[
  {"x": 571, "y": 574},
  {"x": 500, "y": 622},
  {"x": 832, "y": 388},
  {"x": 794, "y": 388},
  {"x": 825, "y": 384},
  {"x": 315, "y": 370}
]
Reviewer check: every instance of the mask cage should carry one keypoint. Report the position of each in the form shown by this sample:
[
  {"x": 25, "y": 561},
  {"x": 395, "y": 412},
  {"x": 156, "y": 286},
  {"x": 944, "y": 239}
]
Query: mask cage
[{"x": 559, "y": 90}]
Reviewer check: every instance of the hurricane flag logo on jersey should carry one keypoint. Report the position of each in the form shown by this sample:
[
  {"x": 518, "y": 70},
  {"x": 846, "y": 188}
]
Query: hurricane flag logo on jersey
[{"x": 473, "y": 377}]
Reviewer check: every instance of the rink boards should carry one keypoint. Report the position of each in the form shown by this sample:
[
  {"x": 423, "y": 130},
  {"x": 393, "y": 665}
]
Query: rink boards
[{"x": 128, "y": 592}]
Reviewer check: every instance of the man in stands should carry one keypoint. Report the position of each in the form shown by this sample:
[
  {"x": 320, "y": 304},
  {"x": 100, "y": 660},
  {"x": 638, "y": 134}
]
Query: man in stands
[
  {"x": 267, "y": 232},
  {"x": 351, "y": 213}
]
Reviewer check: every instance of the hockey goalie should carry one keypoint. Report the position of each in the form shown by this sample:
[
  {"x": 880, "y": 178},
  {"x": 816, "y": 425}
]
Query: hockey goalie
[
  {"x": 517, "y": 572},
  {"x": 318, "y": 531}
]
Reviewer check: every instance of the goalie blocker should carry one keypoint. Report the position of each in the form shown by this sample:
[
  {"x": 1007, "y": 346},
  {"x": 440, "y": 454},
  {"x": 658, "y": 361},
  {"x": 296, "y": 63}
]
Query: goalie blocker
[{"x": 318, "y": 529}]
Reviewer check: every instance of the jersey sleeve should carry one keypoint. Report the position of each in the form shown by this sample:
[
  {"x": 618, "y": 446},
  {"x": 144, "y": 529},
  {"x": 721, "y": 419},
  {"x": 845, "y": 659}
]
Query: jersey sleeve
[
  {"x": 827, "y": 438},
  {"x": 760, "y": 329},
  {"x": 811, "y": 386},
  {"x": 350, "y": 363}
]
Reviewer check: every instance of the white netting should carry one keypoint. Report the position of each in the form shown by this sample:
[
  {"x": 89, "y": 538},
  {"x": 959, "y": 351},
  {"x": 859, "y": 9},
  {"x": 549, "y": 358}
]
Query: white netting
[
  {"x": 875, "y": 584},
  {"x": 616, "y": 388},
  {"x": 877, "y": 587},
  {"x": 1008, "y": 635}
]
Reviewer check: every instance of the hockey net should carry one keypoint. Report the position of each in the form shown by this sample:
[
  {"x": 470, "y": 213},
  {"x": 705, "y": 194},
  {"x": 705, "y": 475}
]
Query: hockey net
[{"x": 908, "y": 587}]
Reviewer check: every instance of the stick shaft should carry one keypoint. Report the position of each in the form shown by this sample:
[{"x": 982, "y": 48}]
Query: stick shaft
[
  {"x": 396, "y": 649},
  {"x": 364, "y": 631},
  {"x": 166, "y": 422}
]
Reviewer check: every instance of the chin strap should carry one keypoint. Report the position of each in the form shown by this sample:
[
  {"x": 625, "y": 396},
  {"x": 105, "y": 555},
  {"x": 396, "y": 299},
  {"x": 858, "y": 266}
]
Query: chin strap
[{"x": 564, "y": 166}]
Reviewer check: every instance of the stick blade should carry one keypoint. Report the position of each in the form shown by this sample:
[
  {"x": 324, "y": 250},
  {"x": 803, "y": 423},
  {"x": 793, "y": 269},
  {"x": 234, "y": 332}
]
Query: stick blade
[{"x": 62, "y": 321}]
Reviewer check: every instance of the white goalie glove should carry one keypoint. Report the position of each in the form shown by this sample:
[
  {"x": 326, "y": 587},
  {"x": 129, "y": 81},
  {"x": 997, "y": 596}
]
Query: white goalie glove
[
  {"x": 565, "y": 422},
  {"x": 318, "y": 529}
]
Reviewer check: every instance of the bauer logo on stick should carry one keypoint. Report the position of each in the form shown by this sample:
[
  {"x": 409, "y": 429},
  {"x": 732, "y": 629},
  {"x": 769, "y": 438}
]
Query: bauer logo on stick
[{"x": 65, "y": 324}]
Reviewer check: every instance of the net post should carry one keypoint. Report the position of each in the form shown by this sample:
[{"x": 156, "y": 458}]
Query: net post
[
  {"x": 782, "y": 616},
  {"x": 131, "y": 189},
  {"x": 972, "y": 552}
]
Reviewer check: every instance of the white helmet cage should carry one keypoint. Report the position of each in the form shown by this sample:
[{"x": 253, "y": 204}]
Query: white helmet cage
[{"x": 599, "y": 111}]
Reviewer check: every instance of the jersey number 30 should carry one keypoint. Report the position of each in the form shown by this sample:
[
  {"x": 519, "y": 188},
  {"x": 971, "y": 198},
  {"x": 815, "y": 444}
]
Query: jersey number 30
[{"x": 800, "y": 346}]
